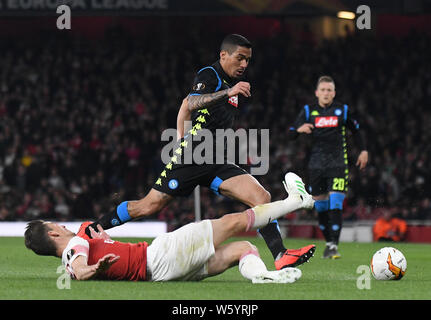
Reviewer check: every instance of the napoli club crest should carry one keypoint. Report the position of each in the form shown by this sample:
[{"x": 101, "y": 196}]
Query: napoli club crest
[{"x": 173, "y": 184}]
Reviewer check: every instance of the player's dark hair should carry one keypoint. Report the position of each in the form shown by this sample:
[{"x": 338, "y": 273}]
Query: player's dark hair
[
  {"x": 37, "y": 239},
  {"x": 232, "y": 41},
  {"x": 324, "y": 79}
]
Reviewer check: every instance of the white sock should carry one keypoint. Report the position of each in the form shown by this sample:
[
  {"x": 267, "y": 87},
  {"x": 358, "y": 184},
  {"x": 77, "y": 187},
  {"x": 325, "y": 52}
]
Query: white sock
[
  {"x": 251, "y": 265},
  {"x": 263, "y": 214}
]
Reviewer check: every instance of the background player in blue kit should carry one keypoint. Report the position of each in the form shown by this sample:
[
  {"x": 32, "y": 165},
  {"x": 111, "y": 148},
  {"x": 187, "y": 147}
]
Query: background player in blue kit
[{"x": 326, "y": 121}]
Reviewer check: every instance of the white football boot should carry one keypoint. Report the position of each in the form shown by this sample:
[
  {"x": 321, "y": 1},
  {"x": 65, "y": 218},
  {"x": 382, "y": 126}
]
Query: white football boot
[
  {"x": 294, "y": 185},
  {"x": 286, "y": 275}
]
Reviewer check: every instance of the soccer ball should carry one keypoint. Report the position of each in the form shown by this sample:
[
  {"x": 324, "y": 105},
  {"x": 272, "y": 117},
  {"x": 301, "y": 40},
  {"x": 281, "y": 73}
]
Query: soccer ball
[{"x": 388, "y": 264}]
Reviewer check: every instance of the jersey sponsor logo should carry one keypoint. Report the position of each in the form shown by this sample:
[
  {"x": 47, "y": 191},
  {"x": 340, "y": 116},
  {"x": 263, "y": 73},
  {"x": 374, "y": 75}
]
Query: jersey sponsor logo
[
  {"x": 234, "y": 101},
  {"x": 326, "y": 122},
  {"x": 199, "y": 86},
  {"x": 173, "y": 184}
]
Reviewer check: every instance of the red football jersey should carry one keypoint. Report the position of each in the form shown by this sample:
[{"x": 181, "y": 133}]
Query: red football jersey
[{"x": 132, "y": 264}]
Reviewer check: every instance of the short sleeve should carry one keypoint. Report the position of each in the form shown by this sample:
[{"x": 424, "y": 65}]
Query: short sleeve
[
  {"x": 206, "y": 81},
  {"x": 301, "y": 118},
  {"x": 75, "y": 248}
]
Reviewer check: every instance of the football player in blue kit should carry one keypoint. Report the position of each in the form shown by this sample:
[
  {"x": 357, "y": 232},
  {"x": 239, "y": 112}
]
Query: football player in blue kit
[{"x": 326, "y": 120}]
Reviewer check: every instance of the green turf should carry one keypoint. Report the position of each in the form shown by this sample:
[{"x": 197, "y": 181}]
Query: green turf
[{"x": 24, "y": 275}]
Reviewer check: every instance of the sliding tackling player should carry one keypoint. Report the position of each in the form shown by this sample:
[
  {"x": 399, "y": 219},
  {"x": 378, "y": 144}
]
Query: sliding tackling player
[{"x": 190, "y": 253}]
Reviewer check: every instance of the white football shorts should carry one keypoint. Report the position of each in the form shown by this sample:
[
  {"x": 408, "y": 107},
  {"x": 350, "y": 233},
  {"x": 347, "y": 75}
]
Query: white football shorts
[{"x": 182, "y": 254}]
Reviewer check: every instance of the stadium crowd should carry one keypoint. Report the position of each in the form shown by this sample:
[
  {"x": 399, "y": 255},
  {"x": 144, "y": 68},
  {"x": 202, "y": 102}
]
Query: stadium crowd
[{"x": 80, "y": 121}]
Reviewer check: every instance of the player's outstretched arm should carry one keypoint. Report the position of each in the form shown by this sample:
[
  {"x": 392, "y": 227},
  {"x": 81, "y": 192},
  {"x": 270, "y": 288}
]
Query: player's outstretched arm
[
  {"x": 82, "y": 271},
  {"x": 206, "y": 100},
  {"x": 196, "y": 102}
]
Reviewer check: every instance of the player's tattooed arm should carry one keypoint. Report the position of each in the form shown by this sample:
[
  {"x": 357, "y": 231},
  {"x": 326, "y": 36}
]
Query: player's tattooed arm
[
  {"x": 209, "y": 99},
  {"x": 206, "y": 100}
]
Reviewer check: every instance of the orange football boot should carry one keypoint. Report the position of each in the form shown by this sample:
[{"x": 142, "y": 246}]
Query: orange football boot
[{"x": 295, "y": 257}]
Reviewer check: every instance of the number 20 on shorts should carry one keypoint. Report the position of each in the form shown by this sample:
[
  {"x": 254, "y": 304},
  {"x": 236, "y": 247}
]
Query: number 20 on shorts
[{"x": 338, "y": 184}]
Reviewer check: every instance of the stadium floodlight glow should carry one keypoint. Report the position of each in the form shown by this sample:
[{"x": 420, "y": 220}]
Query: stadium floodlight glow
[{"x": 346, "y": 15}]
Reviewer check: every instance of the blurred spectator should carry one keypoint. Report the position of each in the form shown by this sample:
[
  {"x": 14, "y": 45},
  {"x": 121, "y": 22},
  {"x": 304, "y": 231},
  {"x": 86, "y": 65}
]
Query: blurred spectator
[
  {"x": 45, "y": 206},
  {"x": 61, "y": 208},
  {"x": 362, "y": 211},
  {"x": 55, "y": 180},
  {"x": 4, "y": 213},
  {"x": 22, "y": 208},
  {"x": 389, "y": 228},
  {"x": 424, "y": 210}
]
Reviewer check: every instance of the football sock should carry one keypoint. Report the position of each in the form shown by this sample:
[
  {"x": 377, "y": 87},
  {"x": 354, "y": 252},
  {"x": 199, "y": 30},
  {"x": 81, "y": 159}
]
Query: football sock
[
  {"x": 335, "y": 222},
  {"x": 251, "y": 265},
  {"x": 272, "y": 236},
  {"x": 115, "y": 218},
  {"x": 263, "y": 214},
  {"x": 323, "y": 218}
]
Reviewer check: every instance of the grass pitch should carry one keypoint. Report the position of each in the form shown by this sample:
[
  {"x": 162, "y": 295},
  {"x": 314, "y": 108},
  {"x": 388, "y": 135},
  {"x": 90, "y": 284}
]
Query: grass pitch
[{"x": 24, "y": 275}]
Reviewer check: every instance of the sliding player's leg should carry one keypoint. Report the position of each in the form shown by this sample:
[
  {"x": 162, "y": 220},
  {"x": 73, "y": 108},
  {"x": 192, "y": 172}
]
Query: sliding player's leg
[
  {"x": 248, "y": 190},
  {"x": 194, "y": 245},
  {"x": 251, "y": 266}
]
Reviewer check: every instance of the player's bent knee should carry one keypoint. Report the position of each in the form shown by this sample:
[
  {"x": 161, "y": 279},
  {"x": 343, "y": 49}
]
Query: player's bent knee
[
  {"x": 266, "y": 197},
  {"x": 250, "y": 246}
]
